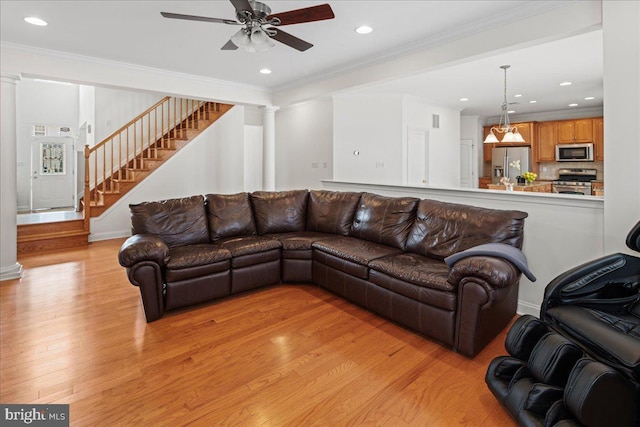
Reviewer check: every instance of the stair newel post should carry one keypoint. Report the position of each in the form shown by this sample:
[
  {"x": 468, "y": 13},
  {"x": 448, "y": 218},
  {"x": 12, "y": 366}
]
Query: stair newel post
[{"x": 87, "y": 191}]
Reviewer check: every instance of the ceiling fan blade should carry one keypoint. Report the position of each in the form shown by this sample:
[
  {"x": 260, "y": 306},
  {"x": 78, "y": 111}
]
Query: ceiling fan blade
[
  {"x": 242, "y": 6},
  {"x": 290, "y": 40},
  {"x": 229, "y": 46},
  {"x": 307, "y": 14},
  {"x": 199, "y": 18}
]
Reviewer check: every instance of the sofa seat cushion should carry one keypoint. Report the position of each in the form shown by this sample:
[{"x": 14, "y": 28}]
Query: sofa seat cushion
[
  {"x": 196, "y": 255},
  {"x": 355, "y": 250},
  {"x": 614, "y": 336},
  {"x": 299, "y": 240},
  {"x": 192, "y": 261},
  {"x": 415, "y": 269},
  {"x": 251, "y": 250}
]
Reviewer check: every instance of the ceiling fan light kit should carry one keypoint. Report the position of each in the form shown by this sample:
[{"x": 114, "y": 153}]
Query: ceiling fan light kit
[
  {"x": 511, "y": 133},
  {"x": 259, "y": 25}
]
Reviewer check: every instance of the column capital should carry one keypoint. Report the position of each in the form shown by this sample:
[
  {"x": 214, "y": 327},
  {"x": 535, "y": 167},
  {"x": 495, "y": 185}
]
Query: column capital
[
  {"x": 10, "y": 78},
  {"x": 269, "y": 108}
]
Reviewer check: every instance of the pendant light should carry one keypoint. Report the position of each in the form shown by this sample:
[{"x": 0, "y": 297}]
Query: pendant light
[{"x": 511, "y": 133}]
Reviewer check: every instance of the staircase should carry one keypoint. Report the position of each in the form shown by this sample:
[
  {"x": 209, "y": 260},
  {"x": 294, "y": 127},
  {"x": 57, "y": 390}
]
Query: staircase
[{"x": 120, "y": 162}]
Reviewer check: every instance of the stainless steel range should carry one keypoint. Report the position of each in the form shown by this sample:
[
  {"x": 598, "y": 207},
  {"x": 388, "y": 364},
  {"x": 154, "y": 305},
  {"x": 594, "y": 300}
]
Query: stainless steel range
[{"x": 574, "y": 181}]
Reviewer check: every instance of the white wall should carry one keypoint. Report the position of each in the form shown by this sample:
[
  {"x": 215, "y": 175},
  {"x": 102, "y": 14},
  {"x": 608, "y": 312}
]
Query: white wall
[
  {"x": 114, "y": 108},
  {"x": 621, "y": 36},
  {"x": 372, "y": 125},
  {"x": 210, "y": 163},
  {"x": 304, "y": 145},
  {"x": 39, "y": 103},
  {"x": 86, "y": 115}
]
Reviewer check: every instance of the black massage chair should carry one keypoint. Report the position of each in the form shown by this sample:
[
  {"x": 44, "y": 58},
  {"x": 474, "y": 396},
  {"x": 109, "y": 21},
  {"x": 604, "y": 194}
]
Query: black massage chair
[{"x": 579, "y": 364}]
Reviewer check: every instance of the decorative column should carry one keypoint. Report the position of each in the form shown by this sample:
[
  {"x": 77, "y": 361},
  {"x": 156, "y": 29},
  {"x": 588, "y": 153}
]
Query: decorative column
[
  {"x": 9, "y": 267},
  {"x": 269, "y": 148}
]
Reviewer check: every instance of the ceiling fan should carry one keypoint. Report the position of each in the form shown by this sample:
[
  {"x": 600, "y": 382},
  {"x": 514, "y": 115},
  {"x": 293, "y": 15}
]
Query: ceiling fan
[{"x": 260, "y": 26}]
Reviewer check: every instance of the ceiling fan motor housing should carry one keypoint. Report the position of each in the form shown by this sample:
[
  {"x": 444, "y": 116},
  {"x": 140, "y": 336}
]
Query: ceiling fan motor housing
[{"x": 260, "y": 11}]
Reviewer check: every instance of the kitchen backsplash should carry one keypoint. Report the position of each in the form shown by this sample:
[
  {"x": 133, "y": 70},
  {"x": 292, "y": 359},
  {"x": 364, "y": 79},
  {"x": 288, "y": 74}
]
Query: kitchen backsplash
[{"x": 552, "y": 169}]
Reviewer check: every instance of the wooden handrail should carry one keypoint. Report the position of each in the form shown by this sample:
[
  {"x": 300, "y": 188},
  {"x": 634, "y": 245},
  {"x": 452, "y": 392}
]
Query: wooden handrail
[
  {"x": 113, "y": 135},
  {"x": 106, "y": 167}
]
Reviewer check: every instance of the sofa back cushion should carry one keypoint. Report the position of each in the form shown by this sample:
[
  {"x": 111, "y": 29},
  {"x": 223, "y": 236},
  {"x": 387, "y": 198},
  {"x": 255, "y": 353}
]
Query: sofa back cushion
[
  {"x": 229, "y": 215},
  {"x": 279, "y": 211},
  {"x": 177, "y": 222},
  {"x": 331, "y": 211},
  {"x": 442, "y": 229},
  {"x": 384, "y": 220}
]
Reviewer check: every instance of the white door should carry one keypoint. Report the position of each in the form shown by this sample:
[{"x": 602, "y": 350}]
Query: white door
[
  {"x": 52, "y": 163},
  {"x": 417, "y": 157},
  {"x": 466, "y": 163}
]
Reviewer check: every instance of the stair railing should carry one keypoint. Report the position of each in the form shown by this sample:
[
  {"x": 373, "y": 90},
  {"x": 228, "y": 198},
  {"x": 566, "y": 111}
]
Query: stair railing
[{"x": 116, "y": 157}]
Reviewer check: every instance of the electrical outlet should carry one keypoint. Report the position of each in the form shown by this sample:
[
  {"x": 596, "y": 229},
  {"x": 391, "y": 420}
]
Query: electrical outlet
[
  {"x": 379, "y": 165},
  {"x": 314, "y": 165},
  {"x": 324, "y": 165}
]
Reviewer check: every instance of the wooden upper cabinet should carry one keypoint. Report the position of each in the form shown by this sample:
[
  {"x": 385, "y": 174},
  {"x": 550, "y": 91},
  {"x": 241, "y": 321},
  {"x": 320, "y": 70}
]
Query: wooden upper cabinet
[
  {"x": 598, "y": 138},
  {"x": 526, "y": 130},
  {"x": 486, "y": 148},
  {"x": 546, "y": 141},
  {"x": 574, "y": 131}
]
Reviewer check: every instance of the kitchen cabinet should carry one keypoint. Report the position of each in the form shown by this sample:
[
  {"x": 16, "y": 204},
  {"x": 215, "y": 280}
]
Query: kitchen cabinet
[
  {"x": 597, "y": 188},
  {"x": 546, "y": 141},
  {"x": 574, "y": 131},
  {"x": 598, "y": 138},
  {"x": 484, "y": 181}
]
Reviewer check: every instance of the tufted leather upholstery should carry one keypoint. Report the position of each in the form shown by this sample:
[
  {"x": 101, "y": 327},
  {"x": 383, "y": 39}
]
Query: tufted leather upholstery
[
  {"x": 331, "y": 211},
  {"x": 176, "y": 222},
  {"x": 280, "y": 212},
  {"x": 384, "y": 220},
  {"x": 353, "y": 244},
  {"x": 229, "y": 215},
  {"x": 442, "y": 229}
]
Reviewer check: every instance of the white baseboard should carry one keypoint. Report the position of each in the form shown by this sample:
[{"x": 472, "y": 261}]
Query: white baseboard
[
  {"x": 11, "y": 272},
  {"x": 528, "y": 308}
]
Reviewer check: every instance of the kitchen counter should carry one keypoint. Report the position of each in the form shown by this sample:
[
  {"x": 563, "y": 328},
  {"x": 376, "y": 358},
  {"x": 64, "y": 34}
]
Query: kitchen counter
[{"x": 536, "y": 187}]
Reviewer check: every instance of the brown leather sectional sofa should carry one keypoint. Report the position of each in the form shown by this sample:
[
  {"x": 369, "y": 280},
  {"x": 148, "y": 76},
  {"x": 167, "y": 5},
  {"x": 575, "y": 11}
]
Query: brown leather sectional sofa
[{"x": 383, "y": 253}]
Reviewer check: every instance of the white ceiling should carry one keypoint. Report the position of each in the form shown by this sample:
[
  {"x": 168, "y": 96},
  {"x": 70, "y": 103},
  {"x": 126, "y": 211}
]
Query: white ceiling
[{"x": 134, "y": 32}]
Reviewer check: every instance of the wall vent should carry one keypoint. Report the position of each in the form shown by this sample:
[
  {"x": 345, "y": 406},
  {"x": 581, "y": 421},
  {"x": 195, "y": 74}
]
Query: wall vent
[{"x": 435, "y": 121}]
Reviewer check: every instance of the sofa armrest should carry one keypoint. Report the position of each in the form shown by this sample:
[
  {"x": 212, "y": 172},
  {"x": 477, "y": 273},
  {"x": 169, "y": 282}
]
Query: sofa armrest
[
  {"x": 496, "y": 272},
  {"x": 487, "y": 300},
  {"x": 143, "y": 247},
  {"x": 147, "y": 276}
]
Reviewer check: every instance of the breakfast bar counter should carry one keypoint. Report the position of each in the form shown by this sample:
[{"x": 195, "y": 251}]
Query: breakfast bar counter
[{"x": 536, "y": 187}]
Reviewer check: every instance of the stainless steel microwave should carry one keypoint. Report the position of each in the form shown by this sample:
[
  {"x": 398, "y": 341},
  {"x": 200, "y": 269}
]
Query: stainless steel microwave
[{"x": 574, "y": 153}]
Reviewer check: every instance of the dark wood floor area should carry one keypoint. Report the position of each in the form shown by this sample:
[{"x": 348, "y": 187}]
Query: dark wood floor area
[{"x": 73, "y": 331}]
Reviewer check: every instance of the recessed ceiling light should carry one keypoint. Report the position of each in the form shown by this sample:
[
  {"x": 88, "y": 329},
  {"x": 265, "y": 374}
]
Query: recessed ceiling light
[
  {"x": 364, "y": 29},
  {"x": 589, "y": 98},
  {"x": 265, "y": 71},
  {"x": 519, "y": 95},
  {"x": 533, "y": 101},
  {"x": 565, "y": 84},
  {"x": 464, "y": 99},
  {"x": 511, "y": 111},
  {"x": 573, "y": 105},
  {"x": 36, "y": 21}
]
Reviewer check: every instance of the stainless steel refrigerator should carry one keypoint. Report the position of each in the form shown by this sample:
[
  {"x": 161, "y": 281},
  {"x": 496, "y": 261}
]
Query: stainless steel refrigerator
[{"x": 503, "y": 157}]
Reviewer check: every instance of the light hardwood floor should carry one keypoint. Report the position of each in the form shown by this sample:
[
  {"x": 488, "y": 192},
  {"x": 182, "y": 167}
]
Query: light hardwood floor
[{"x": 73, "y": 331}]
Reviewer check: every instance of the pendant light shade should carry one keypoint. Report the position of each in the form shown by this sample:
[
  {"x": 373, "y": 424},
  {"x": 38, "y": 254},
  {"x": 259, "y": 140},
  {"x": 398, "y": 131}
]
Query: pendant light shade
[{"x": 511, "y": 133}]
